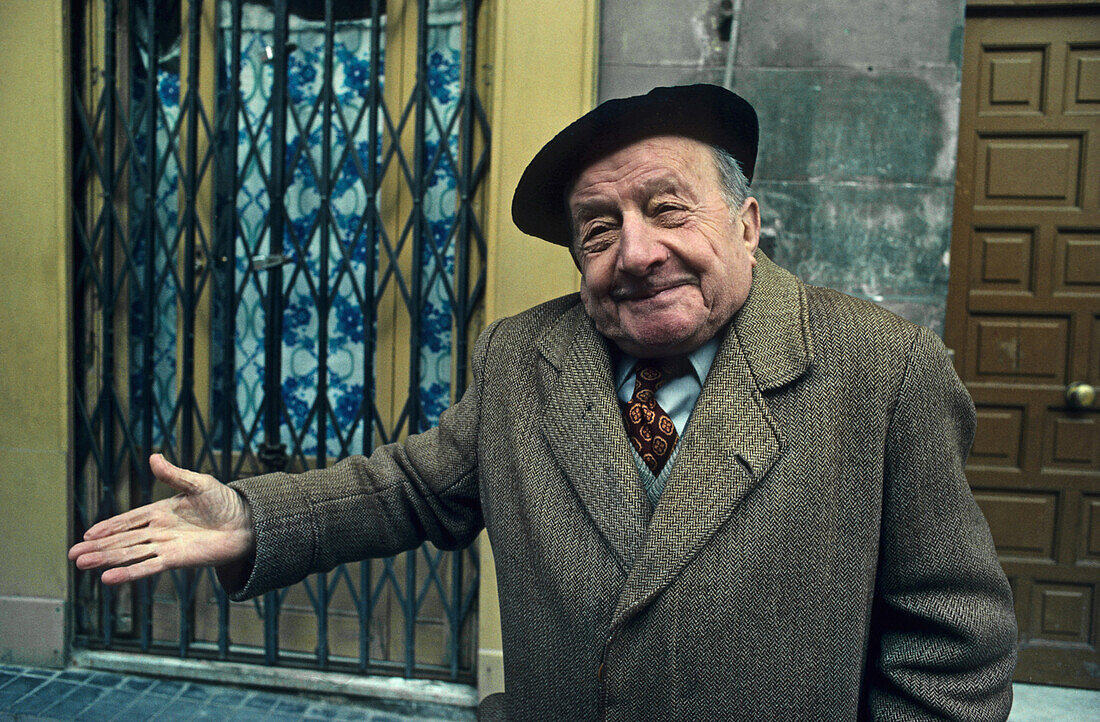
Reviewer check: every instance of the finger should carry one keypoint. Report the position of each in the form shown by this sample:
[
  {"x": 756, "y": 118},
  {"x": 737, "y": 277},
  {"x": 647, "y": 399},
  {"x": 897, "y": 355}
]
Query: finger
[
  {"x": 122, "y": 522},
  {"x": 185, "y": 480},
  {"x": 141, "y": 570},
  {"x": 116, "y": 557},
  {"x": 141, "y": 535}
]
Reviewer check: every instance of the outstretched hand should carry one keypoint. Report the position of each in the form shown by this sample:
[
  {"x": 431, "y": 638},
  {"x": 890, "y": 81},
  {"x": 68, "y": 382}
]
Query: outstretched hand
[{"x": 206, "y": 524}]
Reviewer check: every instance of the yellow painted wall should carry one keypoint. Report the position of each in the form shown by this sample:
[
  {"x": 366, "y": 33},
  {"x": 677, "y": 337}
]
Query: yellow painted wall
[
  {"x": 34, "y": 327},
  {"x": 543, "y": 77}
]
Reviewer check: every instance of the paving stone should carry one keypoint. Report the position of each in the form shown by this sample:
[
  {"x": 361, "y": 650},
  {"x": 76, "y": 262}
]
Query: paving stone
[
  {"x": 17, "y": 689},
  {"x": 276, "y": 716},
  {"x": 37, "y": 701},
  {"x": 75, "y": 702},
  {"x": 245, "y": 714},
  {"x": 181, "y": 710},
  {"x": 291, "y": 706},
  {"x": 214, "y": 712},
  {"x": 146, "y": 706},
  {"x": 107, "y": 707},
  {"x": 197, "y": 692},
  {"x": 261, "y": 701},
  {"x": 138, "y": 683},
  {"x": 227, "y": 697},
  {"x": 103, "y": 679},
  {"x": 166, "y": 688}
]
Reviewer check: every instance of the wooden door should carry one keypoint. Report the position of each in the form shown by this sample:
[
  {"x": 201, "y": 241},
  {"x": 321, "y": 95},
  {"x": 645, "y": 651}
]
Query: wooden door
[{"x": 1024, "y": 320}]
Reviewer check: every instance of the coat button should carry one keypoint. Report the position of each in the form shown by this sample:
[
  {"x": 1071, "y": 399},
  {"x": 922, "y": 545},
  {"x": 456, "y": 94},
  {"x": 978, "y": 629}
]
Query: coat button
[{"x": 600, "y": 672}]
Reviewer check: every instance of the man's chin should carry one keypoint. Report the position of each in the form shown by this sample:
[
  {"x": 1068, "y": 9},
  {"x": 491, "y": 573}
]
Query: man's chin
[{"x": 660, "y": 342}]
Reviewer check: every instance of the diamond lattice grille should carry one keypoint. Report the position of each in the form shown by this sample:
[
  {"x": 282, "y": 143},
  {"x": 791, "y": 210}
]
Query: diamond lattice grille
[{"x": 278, "y": 262}]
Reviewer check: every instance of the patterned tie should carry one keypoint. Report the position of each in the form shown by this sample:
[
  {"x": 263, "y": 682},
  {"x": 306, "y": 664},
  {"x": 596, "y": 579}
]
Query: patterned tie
[{"x": 648, "y": 427}]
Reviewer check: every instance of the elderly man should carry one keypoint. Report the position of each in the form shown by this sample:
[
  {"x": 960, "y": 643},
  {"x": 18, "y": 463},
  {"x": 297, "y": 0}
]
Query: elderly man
[{"x": 713, "y": 492}]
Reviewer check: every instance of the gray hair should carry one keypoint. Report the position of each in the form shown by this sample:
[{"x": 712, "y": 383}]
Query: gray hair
[{"x": 735, "y": 186}]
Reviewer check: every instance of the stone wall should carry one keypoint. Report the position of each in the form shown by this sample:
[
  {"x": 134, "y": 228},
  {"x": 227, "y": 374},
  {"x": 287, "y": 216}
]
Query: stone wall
[{"x": 858, "y": 105}]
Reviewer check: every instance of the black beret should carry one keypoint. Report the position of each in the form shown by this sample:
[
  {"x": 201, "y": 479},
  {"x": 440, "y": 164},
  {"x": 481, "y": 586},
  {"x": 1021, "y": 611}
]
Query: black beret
[{"x": 707, "y": 113}]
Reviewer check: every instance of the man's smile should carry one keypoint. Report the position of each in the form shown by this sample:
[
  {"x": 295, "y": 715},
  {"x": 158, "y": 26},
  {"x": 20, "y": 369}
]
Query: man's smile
[{"x": 649, "y": 291}]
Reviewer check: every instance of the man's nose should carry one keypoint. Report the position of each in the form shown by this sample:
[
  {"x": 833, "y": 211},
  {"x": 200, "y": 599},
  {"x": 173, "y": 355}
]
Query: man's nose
[{"x": 640, "y": 247}]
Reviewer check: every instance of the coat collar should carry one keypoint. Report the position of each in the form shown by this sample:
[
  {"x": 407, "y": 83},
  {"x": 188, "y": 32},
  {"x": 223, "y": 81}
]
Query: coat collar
[
  {"x": 584, "y": 428},
  {"x": 766, "y": 347}
]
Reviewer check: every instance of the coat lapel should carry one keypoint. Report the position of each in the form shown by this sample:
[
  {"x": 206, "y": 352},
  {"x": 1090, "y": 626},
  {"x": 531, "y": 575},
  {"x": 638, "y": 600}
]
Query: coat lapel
[
  {"x": 731, "y": 441},
  {"x": 583, "y": 426}
]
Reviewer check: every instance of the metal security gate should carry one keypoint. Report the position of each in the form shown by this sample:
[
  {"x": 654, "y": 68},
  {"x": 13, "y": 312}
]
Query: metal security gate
[{"x": 277, "y": 263}]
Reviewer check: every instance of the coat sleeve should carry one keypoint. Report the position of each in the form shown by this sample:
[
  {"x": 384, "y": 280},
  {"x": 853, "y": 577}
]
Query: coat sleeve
[
  {"x": 425, "y": 488},
  {"x": 943, "y": 631}
]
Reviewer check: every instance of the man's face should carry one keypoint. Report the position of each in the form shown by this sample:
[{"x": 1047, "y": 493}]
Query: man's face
[{"x": 664, "y": 263}]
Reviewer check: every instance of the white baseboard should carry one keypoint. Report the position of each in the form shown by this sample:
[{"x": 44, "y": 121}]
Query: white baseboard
[
  {"x": 282, "y": 678},
  {"x": 490, "y": 672}
]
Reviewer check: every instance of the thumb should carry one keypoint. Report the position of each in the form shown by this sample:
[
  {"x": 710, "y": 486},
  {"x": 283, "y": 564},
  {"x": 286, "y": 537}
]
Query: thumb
[{"x": 184, "y": 480}]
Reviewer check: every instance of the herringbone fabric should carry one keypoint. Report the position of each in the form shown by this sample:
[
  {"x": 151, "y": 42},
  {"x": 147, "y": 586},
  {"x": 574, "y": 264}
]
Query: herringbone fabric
[
  {"x": 648, "y": 427},
  {"x": 815, "y": 555}
]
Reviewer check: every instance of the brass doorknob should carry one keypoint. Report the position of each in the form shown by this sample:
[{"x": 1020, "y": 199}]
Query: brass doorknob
[{"x": 1080, "y": 395}]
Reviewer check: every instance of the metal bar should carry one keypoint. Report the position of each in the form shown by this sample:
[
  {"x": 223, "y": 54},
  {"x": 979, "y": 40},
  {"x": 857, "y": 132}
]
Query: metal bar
[
  {"x": 226, "y": 261},
  {"x": 455, "y": 617},
  {"x": 187, "y": 290},
  {"x": 419, "y": 231},
  {"x": 369, "y": 306},
  {"x": 81, "y": 350},
  {"x": 731, "y": 50},
  {"x": 188, "y": 300},
  {"x": 324, "y": 303},
  {"x": 272, "y": 451},
  {"x": 106, "y": 410},
  {"x": 462, "y": 250},
  {"x": 369, "y": 309},
  {"x": 409, "y": 607},
  {"x": 148, "y": 306},
  {"x": 365, "y": 610}
]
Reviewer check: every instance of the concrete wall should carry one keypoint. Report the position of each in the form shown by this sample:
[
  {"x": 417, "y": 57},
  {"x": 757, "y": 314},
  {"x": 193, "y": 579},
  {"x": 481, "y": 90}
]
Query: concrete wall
[
  {"x": 34, "y": 331},
  {"x": 858, "y": 105}
]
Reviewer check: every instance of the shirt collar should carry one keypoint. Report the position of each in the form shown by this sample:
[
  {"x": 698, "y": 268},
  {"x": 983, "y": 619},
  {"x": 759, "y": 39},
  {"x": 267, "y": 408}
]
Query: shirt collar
[{"x": 701, "y": 360}]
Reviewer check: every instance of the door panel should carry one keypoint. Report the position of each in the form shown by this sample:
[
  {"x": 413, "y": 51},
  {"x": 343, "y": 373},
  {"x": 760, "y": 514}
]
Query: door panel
[{"x": 1024, "y": 320}]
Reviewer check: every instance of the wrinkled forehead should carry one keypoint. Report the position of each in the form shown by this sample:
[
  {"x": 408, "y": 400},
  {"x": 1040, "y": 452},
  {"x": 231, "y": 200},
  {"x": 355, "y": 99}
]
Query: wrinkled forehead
[{"x": 652, "y": 164}]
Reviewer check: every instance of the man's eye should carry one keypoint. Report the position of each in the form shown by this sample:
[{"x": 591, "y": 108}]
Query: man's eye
[
  {"x": 596, "y": 231},
  {"x": 596, "y": 239},
  {"x": 669, "y": 214}
]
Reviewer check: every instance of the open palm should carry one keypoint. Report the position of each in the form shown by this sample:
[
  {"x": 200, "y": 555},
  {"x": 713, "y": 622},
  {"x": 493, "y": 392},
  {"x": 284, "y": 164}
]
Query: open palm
[{"x": 206, "y": 524}]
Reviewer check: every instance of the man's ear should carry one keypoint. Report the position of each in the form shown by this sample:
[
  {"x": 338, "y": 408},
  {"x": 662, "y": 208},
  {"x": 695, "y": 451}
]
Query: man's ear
[{"x": 749, "y": 218}]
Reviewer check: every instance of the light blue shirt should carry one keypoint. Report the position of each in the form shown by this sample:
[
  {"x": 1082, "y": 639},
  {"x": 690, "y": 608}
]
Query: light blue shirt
[{"x": 677, "y": 397}]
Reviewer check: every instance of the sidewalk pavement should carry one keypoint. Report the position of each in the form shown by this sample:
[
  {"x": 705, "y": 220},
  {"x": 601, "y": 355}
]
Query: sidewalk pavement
[{"x": 28, "y": 693}]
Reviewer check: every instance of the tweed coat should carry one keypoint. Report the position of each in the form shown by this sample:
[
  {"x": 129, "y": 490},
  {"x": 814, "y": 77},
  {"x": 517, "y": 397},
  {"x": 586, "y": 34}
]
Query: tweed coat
[{"x": 816, "y": 554}]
